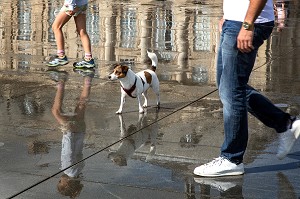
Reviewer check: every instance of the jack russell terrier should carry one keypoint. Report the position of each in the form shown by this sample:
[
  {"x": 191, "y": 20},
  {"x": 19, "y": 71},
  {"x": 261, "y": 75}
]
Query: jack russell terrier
[{"x": 136, "y": 84}]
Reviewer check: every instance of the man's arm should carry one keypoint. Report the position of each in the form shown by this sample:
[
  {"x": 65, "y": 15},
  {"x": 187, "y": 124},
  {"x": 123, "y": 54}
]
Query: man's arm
[{"x": 245, "y": 37}]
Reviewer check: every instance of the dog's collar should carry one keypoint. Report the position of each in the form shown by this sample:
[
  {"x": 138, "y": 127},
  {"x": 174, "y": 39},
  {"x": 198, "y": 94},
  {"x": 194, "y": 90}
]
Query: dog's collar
[{"x": 129, "y": 91}]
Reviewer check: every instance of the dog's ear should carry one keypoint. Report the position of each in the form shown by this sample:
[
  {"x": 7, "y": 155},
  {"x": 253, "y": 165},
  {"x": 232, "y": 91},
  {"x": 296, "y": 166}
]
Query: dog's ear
[
  {"x": 115, "y": 65},
  {"x": 124, "y": 69}
]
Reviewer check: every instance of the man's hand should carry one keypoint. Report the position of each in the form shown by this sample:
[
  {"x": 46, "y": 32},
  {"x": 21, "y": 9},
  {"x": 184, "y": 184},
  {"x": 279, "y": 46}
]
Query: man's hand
[
  {"x": 244, "y": 40},
  {"x": 221, "y": 24}
]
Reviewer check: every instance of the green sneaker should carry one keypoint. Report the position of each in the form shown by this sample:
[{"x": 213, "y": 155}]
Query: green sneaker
[
  {"x": 85, "y": 64},
  {"x": 58, "y": 61}
]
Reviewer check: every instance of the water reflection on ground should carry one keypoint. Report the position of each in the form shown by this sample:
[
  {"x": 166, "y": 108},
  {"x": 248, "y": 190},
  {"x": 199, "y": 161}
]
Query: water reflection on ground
[
  {"x": 183, "y": 35},
  {"x": 158, "y": 159}
]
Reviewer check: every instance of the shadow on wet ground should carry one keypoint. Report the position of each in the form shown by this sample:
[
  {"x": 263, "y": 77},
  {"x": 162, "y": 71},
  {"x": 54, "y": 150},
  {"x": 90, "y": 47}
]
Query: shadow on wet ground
[{"x": 60, "y": 136}]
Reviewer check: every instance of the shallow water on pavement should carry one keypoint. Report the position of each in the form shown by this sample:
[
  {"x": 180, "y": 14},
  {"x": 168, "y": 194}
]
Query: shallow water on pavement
[{"x": 156, "y": 161}]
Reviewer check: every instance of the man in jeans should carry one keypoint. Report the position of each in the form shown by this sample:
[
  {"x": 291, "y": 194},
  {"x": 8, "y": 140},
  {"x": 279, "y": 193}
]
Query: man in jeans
[{"x": 245, "y": 26}]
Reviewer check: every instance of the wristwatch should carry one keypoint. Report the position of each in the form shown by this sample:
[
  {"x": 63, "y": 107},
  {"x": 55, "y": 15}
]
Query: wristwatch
[{"x": 247, "y": 26}]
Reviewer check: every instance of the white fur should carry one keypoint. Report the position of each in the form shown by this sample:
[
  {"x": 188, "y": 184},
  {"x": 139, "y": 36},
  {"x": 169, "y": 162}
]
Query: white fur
[{"x": 140, "y": 90}]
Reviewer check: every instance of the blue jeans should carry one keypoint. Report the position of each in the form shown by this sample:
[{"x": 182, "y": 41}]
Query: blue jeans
[{"x": 238, "y": 98}]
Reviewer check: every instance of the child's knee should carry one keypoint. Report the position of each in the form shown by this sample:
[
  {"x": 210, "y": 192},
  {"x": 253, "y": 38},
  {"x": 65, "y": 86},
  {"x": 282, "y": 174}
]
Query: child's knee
[
  {"x": 55, "y": 27},
  {"x": 82, "y": 32}
]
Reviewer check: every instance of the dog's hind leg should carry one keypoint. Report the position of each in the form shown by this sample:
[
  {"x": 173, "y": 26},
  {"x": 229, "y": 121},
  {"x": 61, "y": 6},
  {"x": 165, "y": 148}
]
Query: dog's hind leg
[
  {"x": 141, "y": 109},
  {"x": 156, "y": 91},
  {"x": 145, "y": 99}
]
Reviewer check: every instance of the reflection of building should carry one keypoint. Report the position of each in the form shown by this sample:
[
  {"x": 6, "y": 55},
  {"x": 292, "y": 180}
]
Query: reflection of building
[
  {"x": 284, "y": 44},
  {"x": 183, "y": 37}
]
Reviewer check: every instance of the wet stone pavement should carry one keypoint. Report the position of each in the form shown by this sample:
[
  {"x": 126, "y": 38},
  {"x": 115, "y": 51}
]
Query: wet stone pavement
[{"x": 132, "y": 155}]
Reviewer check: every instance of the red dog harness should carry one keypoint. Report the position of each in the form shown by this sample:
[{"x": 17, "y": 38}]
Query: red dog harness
[{"x": 129, "y": 91}]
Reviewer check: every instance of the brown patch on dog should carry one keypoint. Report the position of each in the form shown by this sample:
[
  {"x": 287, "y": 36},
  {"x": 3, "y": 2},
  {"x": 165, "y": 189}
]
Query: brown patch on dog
[
  {"x": 148, "y": 77},
  {"x": 120, "y": 71}
]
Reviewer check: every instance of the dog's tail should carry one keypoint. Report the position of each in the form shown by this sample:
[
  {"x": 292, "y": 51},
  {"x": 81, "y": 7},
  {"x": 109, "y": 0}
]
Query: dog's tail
[{"x": 154, "y": 60}]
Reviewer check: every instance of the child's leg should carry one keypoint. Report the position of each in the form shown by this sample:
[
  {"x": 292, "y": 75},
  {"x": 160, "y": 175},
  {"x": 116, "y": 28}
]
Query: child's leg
[
  {"x": 61, "y": 19},
  {"x": 80, "y": 21}
]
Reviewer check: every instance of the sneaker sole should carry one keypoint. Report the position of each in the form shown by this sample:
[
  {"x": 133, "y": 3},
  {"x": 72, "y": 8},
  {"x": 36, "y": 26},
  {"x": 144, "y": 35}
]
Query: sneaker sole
[
  {"x": 61, "y": 64},
  {"x": 85, "y": 66},
  {"x": 220, "y": 174}
]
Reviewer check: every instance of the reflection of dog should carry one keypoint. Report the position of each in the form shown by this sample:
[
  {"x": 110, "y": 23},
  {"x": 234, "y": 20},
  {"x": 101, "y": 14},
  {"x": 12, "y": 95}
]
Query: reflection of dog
[
  {"x": 136, "y": 84},
  {"x": 135, "y": 141}
]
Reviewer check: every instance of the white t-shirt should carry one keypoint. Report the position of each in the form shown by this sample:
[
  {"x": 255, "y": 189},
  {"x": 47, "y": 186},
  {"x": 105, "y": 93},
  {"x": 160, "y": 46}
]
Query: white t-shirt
[
  {"x": 71, "y": 152},
  {"x": 236, "y": 10}
]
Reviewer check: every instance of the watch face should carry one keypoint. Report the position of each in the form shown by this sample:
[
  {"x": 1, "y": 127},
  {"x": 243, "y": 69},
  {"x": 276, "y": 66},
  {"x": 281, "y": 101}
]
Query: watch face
[{"x": 246, "y": 25}]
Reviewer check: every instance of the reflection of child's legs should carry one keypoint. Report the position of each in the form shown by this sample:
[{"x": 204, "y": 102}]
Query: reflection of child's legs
[
  {"x": 58, "y": 100},
  {"x": 61, "y": 19},
  {"x": 86, "y": 87},
  {"x": 80, "y": 21},
  {"x": 87, "y": 81}
]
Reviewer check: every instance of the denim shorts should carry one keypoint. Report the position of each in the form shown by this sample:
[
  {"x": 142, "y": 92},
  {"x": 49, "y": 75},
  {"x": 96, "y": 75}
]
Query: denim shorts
[{"x": 79, "y": 10}]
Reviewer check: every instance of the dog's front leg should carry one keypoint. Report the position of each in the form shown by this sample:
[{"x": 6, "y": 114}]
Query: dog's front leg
[
  {"x": 141, "y": 109},
  {"x": 123, "y": 94}
]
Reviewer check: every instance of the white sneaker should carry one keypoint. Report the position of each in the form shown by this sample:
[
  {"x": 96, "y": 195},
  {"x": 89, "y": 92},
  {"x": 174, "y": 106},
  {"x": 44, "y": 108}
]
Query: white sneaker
[
  {"x": 219, "y": 167},
  {"x": 287, "y": 140}
]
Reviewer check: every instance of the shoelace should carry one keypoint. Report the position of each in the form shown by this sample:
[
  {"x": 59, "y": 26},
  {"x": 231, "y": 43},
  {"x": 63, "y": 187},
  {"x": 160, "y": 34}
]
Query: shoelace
[
  {"x": 55, "y": 61},
  {"x": 217, "y": 161},
  {"x": 83, "y": 62}
]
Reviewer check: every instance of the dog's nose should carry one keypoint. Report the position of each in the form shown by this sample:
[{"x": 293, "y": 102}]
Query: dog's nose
[{"x": 109, "y": 76}]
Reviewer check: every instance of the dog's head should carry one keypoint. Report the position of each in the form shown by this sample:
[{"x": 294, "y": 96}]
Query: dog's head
[{"x": 119, "y": 72}]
